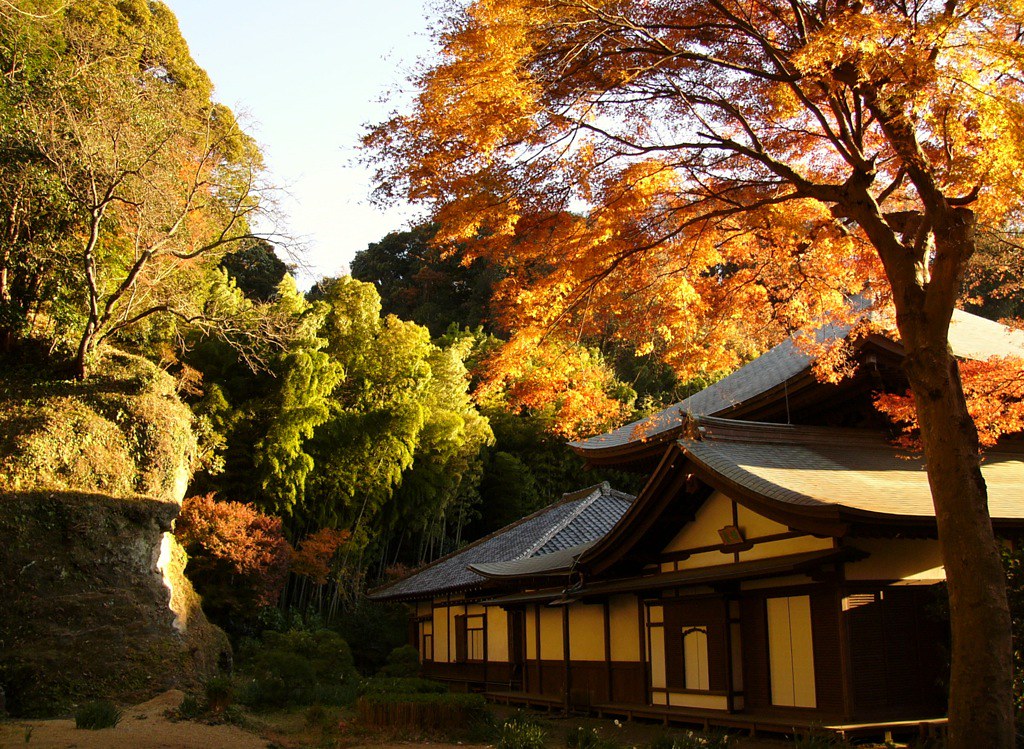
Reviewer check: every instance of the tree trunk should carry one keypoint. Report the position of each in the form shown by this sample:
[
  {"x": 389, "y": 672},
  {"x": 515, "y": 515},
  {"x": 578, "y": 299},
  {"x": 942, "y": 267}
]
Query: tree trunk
[{"x": 980, "y": 691}]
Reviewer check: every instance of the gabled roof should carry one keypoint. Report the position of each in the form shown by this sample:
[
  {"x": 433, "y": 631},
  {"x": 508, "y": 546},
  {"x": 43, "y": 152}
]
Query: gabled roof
[
  {"x": 854, "y": 471},
  {"x": 970, "y": 337},
  {"x": 577, "y": 518},
  {"x": 821, "y": 480}
]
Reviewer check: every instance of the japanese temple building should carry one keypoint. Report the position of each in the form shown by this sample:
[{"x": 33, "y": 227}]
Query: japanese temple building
[{"x": 779, "y": 569}]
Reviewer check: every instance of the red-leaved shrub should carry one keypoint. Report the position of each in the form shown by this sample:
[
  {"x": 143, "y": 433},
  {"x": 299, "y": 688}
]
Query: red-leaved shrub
[{"x": 238, "y": 557}]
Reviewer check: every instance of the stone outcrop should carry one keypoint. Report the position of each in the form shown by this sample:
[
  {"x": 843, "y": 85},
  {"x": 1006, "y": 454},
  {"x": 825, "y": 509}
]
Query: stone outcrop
[{"x": 95, "y": 602}]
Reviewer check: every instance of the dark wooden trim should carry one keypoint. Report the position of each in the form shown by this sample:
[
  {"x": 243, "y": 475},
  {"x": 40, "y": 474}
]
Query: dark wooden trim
[
  {"x": 684, "y": 554},
  {"x": 681, "y": 690},
  {"x": 736, "y": 523}
]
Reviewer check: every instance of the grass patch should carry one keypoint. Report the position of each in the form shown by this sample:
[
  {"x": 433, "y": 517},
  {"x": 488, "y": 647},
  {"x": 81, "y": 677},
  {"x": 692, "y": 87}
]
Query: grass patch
[
  {"x": 521, "y": 733},
  {"x": 96, "y": 715}
]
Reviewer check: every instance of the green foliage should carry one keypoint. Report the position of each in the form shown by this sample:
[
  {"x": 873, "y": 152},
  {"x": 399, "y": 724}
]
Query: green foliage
[
  {"x": 96, "y": 715},
  {"x": 192, "y": 706},
  {"x": 117, "y": 163},
  {"x": 819, "y": 738},
  {"x": 373, "y": 630},
  {"x": 401, "y": 685},
  {"x": 520, "y": 733},
  {"x": 301, "y": 668},
  {"x": 256, "y": 270},
  {"x": 403, "y": 661},
  {"x": 124, "y": 432},
  {"x": 1013, "y": 563},
  {"x": 582, "y": 738},
  {"x": 426, "y": 284}
]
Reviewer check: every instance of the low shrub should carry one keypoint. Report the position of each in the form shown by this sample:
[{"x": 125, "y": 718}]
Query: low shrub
[
  {"x": 191, "y": 707},
  {"x": 582, "y": 738},
  {"x": 403, "y": 661},
  {"x": 96, "y": 715},
  {"x": 220, "y": 693},
  {"x": 407, "y": 685},
  {"x": 428, "y": 712},
  {"x": 520, "y": 733},
  {"x": 300, "y": 668}
]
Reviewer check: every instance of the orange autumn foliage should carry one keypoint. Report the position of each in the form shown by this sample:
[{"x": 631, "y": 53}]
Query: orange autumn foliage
[
  {"x": 703, "y": 176},
  {"x": 316, "y": 552},
  {"x": 995, "y": 400},
  {"x": 566, "y": 383},
  {"x": 235, "y": 551}
]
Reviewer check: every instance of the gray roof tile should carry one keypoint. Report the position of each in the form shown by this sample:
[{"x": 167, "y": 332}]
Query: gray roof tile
[
  {"x": 970, "y": 337},
  {"x": 578, "y": 517}
]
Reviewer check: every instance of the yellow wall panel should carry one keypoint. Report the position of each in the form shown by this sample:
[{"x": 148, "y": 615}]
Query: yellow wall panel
[
  {"x": 905, "y": 559},
  {"x": 551, "y": 633},
  {"x": 658, "y": 657},
  {"x": 586, "y": 632},
  {"x": 497, "y": 634},
  {"x": 625, "y": 629},
  {"x": 703, "y": 701},
  {"x": 531, "y": 632},
  {"x": 441, "y": 635},
  {"x": 803, "y": 651},
  {"x": 791, "y": 651},
  {"x": 753, "y": 524},
  {"x": 715, "y": 513}
]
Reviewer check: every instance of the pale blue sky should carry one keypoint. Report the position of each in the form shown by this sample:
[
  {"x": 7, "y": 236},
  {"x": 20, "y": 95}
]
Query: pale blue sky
[{"x": 308, "y": 74}]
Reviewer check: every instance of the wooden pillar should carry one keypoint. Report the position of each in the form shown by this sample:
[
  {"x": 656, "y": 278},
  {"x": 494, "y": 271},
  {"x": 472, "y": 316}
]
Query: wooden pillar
[
  {"x": 644, "y": 645},
  {"x": 486, "y": 653},
  {"x": 540, "y": 664}
]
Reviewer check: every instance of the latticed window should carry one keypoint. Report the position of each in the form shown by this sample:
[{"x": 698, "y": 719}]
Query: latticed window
[{"x": 469, "y": 638}]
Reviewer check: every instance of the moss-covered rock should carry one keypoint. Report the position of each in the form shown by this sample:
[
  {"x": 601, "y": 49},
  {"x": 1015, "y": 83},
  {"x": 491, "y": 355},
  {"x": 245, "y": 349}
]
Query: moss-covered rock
[
  {"x": 123, "y": 432},
  {"x": 95, "y": 601}
]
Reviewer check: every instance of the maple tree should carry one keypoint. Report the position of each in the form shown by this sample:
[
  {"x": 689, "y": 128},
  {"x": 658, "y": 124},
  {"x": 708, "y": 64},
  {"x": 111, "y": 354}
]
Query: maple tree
[
  {"x": 704, "y": 174},
  {"x": 568, "y": 385},
  {"x": 238, "y": 556}
]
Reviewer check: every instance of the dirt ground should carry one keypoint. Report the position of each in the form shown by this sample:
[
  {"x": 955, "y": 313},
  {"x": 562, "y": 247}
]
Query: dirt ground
[
  {"x": 147, "y": 726},
  {"x": 144, "y": 726}
]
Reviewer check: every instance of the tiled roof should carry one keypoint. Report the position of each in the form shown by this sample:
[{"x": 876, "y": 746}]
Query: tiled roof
[
  {"x": 855, "y": 469},
  {"x": 970, "y": 337},
  {"x": 545, "y": 564},
  {"x": 577, "y": 518}
]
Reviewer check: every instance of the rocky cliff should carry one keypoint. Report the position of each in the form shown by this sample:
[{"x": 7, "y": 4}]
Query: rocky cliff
[{"x": 95, "y": 602}]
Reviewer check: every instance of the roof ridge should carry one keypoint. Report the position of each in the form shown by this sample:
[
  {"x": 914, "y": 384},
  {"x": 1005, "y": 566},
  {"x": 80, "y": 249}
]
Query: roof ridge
[
  {"x": 718, "y": 429},
  {"x": 598, "y": 490}
]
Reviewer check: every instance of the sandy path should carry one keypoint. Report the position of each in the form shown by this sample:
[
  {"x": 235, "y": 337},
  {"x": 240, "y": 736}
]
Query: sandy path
[{"x": 142, "y": 727}]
